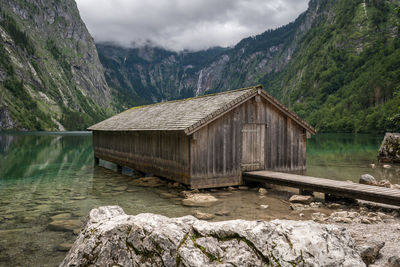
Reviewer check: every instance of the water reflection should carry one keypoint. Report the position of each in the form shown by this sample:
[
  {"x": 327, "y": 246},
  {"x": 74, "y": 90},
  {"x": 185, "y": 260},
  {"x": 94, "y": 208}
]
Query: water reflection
[
  {"x": 46, "y": 177},
  {"x": 346, "y": 157}
]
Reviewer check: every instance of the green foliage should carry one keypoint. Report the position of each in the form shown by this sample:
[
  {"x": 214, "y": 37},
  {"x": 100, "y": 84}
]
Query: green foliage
[
  {"x": 349, "y": 71},
  {"x": 75, "y": 120},
  {"x": 5, "y": 61},
  {"x": 20, "y": 38},
  {"x": 59, "y": 57},
  {"x": 26, "y": 111}
]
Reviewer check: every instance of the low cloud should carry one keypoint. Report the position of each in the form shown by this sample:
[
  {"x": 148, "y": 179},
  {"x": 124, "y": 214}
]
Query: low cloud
[{"x": 184, "y": 24}]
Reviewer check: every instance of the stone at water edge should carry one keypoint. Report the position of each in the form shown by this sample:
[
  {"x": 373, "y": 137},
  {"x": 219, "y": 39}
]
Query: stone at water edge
[
  {"x": 385, "y": 183},
  {"x": 390, "y": 148},
  {"x": 393, "y": 261},
  {"x": 367, "y": 179},
  {"x": 302, "y": 199},
  {"x": 111, "y": 237},
  {"x": 262, "y": 191},
  {"x": 370, "y": 252}
]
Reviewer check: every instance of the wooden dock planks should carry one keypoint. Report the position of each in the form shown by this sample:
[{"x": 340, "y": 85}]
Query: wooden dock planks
[{"x": 327, "y": 186}]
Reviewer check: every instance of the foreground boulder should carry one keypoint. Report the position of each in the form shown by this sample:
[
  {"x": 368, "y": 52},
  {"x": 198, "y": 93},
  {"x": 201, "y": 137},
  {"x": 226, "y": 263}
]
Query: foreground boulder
[
  {"x": 368, "y": 179},
  {"x": 390, "y": 148},
  {"x": 113, "y": 238}
]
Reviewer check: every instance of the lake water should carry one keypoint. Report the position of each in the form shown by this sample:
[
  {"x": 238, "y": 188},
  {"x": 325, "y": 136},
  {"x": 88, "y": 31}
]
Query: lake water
[{"x": 43, "y": 175}]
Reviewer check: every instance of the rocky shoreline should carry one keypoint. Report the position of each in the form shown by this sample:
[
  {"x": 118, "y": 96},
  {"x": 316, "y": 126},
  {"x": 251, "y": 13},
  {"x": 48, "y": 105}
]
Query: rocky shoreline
[
  {"x": 374, "y": 228},
  {"x": 113, "y": 238}
]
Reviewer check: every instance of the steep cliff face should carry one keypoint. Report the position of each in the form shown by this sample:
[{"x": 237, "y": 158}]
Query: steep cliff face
[
  {"x": 50, "y": 74},
  {"x": 336, "y": 65}
]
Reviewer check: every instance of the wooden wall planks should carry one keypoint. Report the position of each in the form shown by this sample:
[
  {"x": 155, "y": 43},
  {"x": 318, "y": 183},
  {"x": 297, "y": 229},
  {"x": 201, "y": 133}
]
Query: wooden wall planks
[{"x": 211, "y": 156}]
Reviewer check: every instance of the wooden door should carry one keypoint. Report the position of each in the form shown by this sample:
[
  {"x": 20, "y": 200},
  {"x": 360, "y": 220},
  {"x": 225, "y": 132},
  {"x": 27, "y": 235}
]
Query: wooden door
[{"x": 253, "y": 156}]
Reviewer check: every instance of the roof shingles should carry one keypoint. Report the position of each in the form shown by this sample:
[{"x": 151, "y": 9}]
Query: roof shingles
[
  {"x": 171, "y": 115},
  {"x": 186, "y": 114}
]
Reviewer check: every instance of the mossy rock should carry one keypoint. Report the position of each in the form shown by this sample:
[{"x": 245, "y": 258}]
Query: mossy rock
[{"x": 390, "y": 148}]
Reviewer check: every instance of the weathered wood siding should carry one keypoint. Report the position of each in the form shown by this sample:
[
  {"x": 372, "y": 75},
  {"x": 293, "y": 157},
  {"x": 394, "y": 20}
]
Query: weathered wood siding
[
  {"x": 216, "y": 149},
  {"x": 253, "y": 141},
  {"x": 163, "y": 153}
]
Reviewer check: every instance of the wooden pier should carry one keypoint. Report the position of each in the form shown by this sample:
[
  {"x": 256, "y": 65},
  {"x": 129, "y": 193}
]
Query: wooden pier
[{"x": 327, "y": 186}]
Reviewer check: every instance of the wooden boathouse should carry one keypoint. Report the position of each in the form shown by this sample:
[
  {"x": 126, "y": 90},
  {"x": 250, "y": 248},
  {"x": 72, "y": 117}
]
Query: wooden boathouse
[{"x": 206, "y": 141}]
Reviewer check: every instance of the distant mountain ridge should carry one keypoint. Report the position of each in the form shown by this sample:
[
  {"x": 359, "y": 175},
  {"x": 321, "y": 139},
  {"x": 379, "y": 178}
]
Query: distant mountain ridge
[
  {"x": 337, "y": 65},
  {"x": 50, "y": 74}
]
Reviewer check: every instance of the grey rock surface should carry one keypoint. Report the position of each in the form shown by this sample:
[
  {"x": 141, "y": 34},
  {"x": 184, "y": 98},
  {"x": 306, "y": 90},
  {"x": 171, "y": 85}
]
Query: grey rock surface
[
  {"x": 302, "y": 199},
  {"x": 370, "y": 252},
  {"x": 393, "y": 261},
  {"x": 367, "y": 179},
  {"x": 112, "y": 237},
  {"x": 390, "y": 148}
]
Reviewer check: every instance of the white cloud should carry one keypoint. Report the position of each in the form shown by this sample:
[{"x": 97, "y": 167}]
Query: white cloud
[{"x": 185, "y": 24}]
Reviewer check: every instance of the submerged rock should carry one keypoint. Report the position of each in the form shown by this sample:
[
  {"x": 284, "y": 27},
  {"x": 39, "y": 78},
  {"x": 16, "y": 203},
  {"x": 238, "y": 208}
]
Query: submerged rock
[
  {"x": 199, "y": 200},
  {"x": 223, "y": 213},
  {"x": 61, "y": 216},
  {"x": 65, "y": 225},
  {"x": 262, "y": 191},
  {"x": 111, "y": 237},
  {"x": 367, "y": 179},
  {"x": 64, "y": 247},
  {"x": 203, "y": 215},
  {"x": 149, "y": 182},
  {"x": 390, "y": 148}
]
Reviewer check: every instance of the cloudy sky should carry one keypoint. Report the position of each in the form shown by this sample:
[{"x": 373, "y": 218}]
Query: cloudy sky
[{"x": 185, "y": 24}]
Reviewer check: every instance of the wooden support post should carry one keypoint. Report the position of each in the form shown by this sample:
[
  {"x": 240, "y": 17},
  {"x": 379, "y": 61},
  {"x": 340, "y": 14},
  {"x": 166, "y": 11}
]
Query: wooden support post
[
  {"x": 96, "y": 161},
  {"x": 306, "y": 192},
  {"x": 119, "y": 168}
]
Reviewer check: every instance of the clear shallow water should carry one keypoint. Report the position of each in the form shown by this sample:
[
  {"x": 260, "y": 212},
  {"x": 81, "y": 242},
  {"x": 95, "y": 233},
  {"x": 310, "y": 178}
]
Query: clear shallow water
[
  {"x": 347, "y": 156},
  {"x": 50, "y": 174}
]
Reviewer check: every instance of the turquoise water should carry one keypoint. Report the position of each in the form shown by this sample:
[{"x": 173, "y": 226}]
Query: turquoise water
[
  {"x": 347, "y": 156},
  {"x": 52, "y": 174}
]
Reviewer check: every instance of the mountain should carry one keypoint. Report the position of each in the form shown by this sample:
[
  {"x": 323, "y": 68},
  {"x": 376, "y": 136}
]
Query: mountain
[
  {"x": 50, "y": 74},
  {"x": 337, "y": 65}
]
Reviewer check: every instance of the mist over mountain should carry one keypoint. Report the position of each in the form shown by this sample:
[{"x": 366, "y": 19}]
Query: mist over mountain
[{"x": 336, "y": 65}]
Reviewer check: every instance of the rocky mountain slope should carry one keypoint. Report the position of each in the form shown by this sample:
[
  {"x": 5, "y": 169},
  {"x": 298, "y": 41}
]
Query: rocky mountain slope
[
  {"x": 337, "y": 65},
  {"x": 50, "y": 74}
]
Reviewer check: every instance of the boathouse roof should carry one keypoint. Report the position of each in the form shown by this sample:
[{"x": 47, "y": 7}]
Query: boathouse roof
[{"x": 188, "y": 114}]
